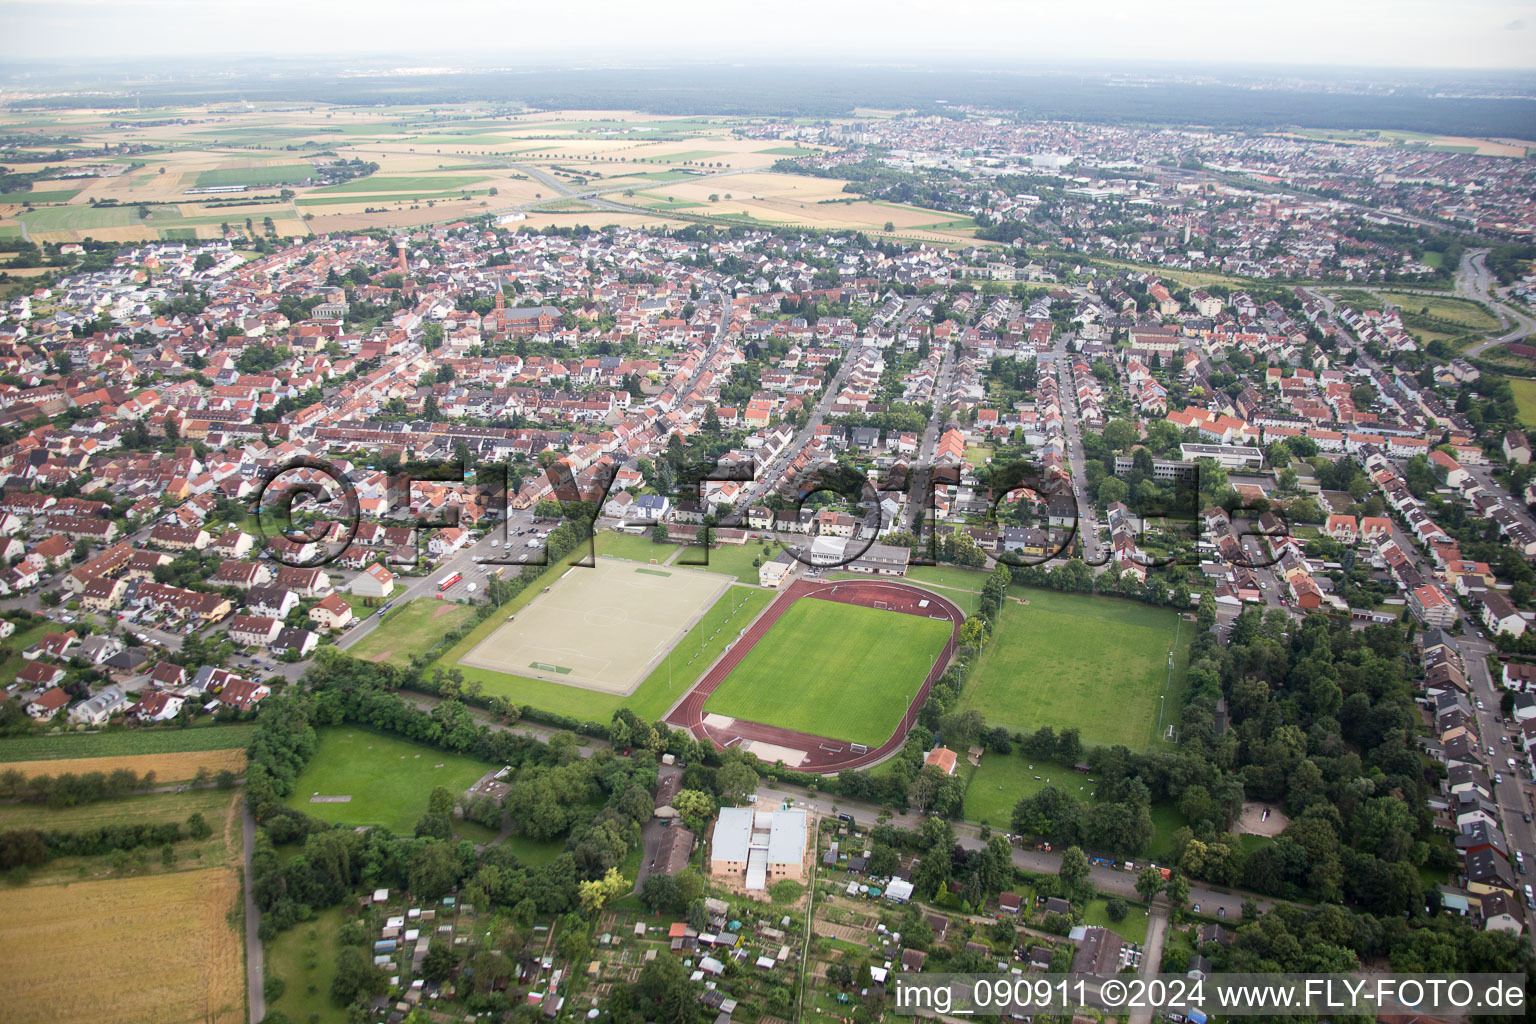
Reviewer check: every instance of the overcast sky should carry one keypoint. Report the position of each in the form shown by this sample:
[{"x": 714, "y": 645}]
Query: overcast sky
[{"x": 1383, "y": 33}]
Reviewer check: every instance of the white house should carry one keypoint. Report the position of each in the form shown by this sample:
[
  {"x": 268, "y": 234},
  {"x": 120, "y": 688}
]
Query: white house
[
  {"x": 106, "y": 703},
  {"x": 374, "y": 581}
]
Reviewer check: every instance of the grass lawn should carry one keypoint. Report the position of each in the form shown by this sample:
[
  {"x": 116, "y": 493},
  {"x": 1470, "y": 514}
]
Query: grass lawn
[
  {"x": 121, "y": 743},
  {"x": 949, "y": 576},
  {"x": 532, "y": 852},
  {"x": 1132, "y": 929},
  {"x": 304, "y": 957},
  {"x": 20, "y": 641},
  {"x": 635, "y": 548},
  {"x": 733, "y": 612},
  {"x": 1166, "y": 820},
  {"x": 409, "y": 629},
  {"x": 388, "y": 779},
  {"x": 1524, "y": 392},
  {"x": 729, "y": 559},
  {"x": 836, "y": 670},
  {"x": 1077, "y": 661},
  {"x": 1472, "y": 315},
  {"x": 1005, "y": 779}
]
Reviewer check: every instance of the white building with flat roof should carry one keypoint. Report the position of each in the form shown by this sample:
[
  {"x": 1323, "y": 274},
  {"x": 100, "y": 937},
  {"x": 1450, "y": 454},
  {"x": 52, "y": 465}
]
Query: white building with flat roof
[{"x": 761, "y": 847}]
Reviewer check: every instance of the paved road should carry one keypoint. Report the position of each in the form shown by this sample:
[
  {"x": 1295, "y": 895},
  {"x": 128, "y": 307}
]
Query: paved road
[
  {"x": 922, "y": 471},
  {"x": 1087, "y": 525},
  {"x": 1112, "y": 881},
  {"x": 1152, "y": 950}
]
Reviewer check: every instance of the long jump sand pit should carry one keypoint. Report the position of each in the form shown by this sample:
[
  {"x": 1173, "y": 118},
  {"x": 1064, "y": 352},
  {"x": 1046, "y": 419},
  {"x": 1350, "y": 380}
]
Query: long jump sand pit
[{"x": 602, "y": 628}]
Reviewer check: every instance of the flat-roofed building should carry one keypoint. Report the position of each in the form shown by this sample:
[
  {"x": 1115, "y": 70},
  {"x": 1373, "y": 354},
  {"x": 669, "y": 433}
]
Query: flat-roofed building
[{"x": 758, "y": 847}]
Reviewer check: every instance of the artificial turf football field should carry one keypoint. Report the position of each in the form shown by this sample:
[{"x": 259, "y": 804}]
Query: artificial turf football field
[{"x": 836, "y": 670}]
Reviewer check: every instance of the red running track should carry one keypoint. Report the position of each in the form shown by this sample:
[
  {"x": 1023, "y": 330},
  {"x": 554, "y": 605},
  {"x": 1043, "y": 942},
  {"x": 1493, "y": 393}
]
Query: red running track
[{"x": 824, "y": 756}]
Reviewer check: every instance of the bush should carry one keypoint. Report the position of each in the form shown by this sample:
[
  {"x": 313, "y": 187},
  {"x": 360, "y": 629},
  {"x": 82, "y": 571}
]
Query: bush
[
  {"x": 1116, "y": 909},
  {"x": 273, "y": 988}
]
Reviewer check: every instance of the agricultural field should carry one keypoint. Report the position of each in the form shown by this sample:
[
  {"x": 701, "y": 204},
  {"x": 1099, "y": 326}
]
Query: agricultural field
[
  {"x": 388, "y": 780},
  {"x": 1037, "y": 671},
  {"x": 836, "y": 670},
  {"x": 410, "y": 629},
  {"x": 125, "y": 743},
  {"x": 169, "y": 767},
  {"x": 257, "y": 174},
  {"x": 182, "y": 929},
  {"x": 427, "y": 158},
  {"x": 154, "y": 808}
]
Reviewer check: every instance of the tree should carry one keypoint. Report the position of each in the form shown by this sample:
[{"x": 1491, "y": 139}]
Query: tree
[
  {"x": 1074, "y": 867},
  {"x": 695, "y": 807},
  {"x": 734, "y": 782},
  {"x": 439, "y": 963},
  {"x": 1178, "y": 891},
  {"x": 355, "y": 976},
  {"x": 1115, "y": 909},
  {"x": 596, "y": 894},
  {"x": 434, "y": 870},
  {"x": 1149, "y": 882}
]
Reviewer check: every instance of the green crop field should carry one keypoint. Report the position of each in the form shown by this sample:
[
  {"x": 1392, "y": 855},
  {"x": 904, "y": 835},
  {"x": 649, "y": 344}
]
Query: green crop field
[
  {"x": 62, "y": 195},
  {"x": 342, "y": 199},
  {"x": 272, "y": 174},
  {"x": 388, "y": 779},
  {"x": 125, "y": 743},
  {"x": 836, "y": 670},
  {"x": 87, "y": 218},
  {"x": 410, "y": 630},
  {"x": 1096, "y": 664},
  {"x": 402, "y": 183},
  {"x": 691, "y": 154},
  {"x": 150, "y": 808}
]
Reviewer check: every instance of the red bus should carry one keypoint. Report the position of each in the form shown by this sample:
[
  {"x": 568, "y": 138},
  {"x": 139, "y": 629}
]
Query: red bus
[{"x": 449, "y": 580}]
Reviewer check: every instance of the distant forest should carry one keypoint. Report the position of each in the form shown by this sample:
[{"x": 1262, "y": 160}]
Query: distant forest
[{"x": 829, "y": 92}]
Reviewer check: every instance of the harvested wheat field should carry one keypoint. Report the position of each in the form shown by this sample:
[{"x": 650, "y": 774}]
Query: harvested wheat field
[
  {"x": 155, "y": 948},
  {"x": 177, "y": 767}
]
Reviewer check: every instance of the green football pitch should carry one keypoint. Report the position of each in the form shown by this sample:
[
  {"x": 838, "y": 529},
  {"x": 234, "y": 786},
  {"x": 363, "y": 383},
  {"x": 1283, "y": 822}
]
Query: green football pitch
[
  {"x": 836, "y": 670},
  {"x": 1073, "y": 661}
]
